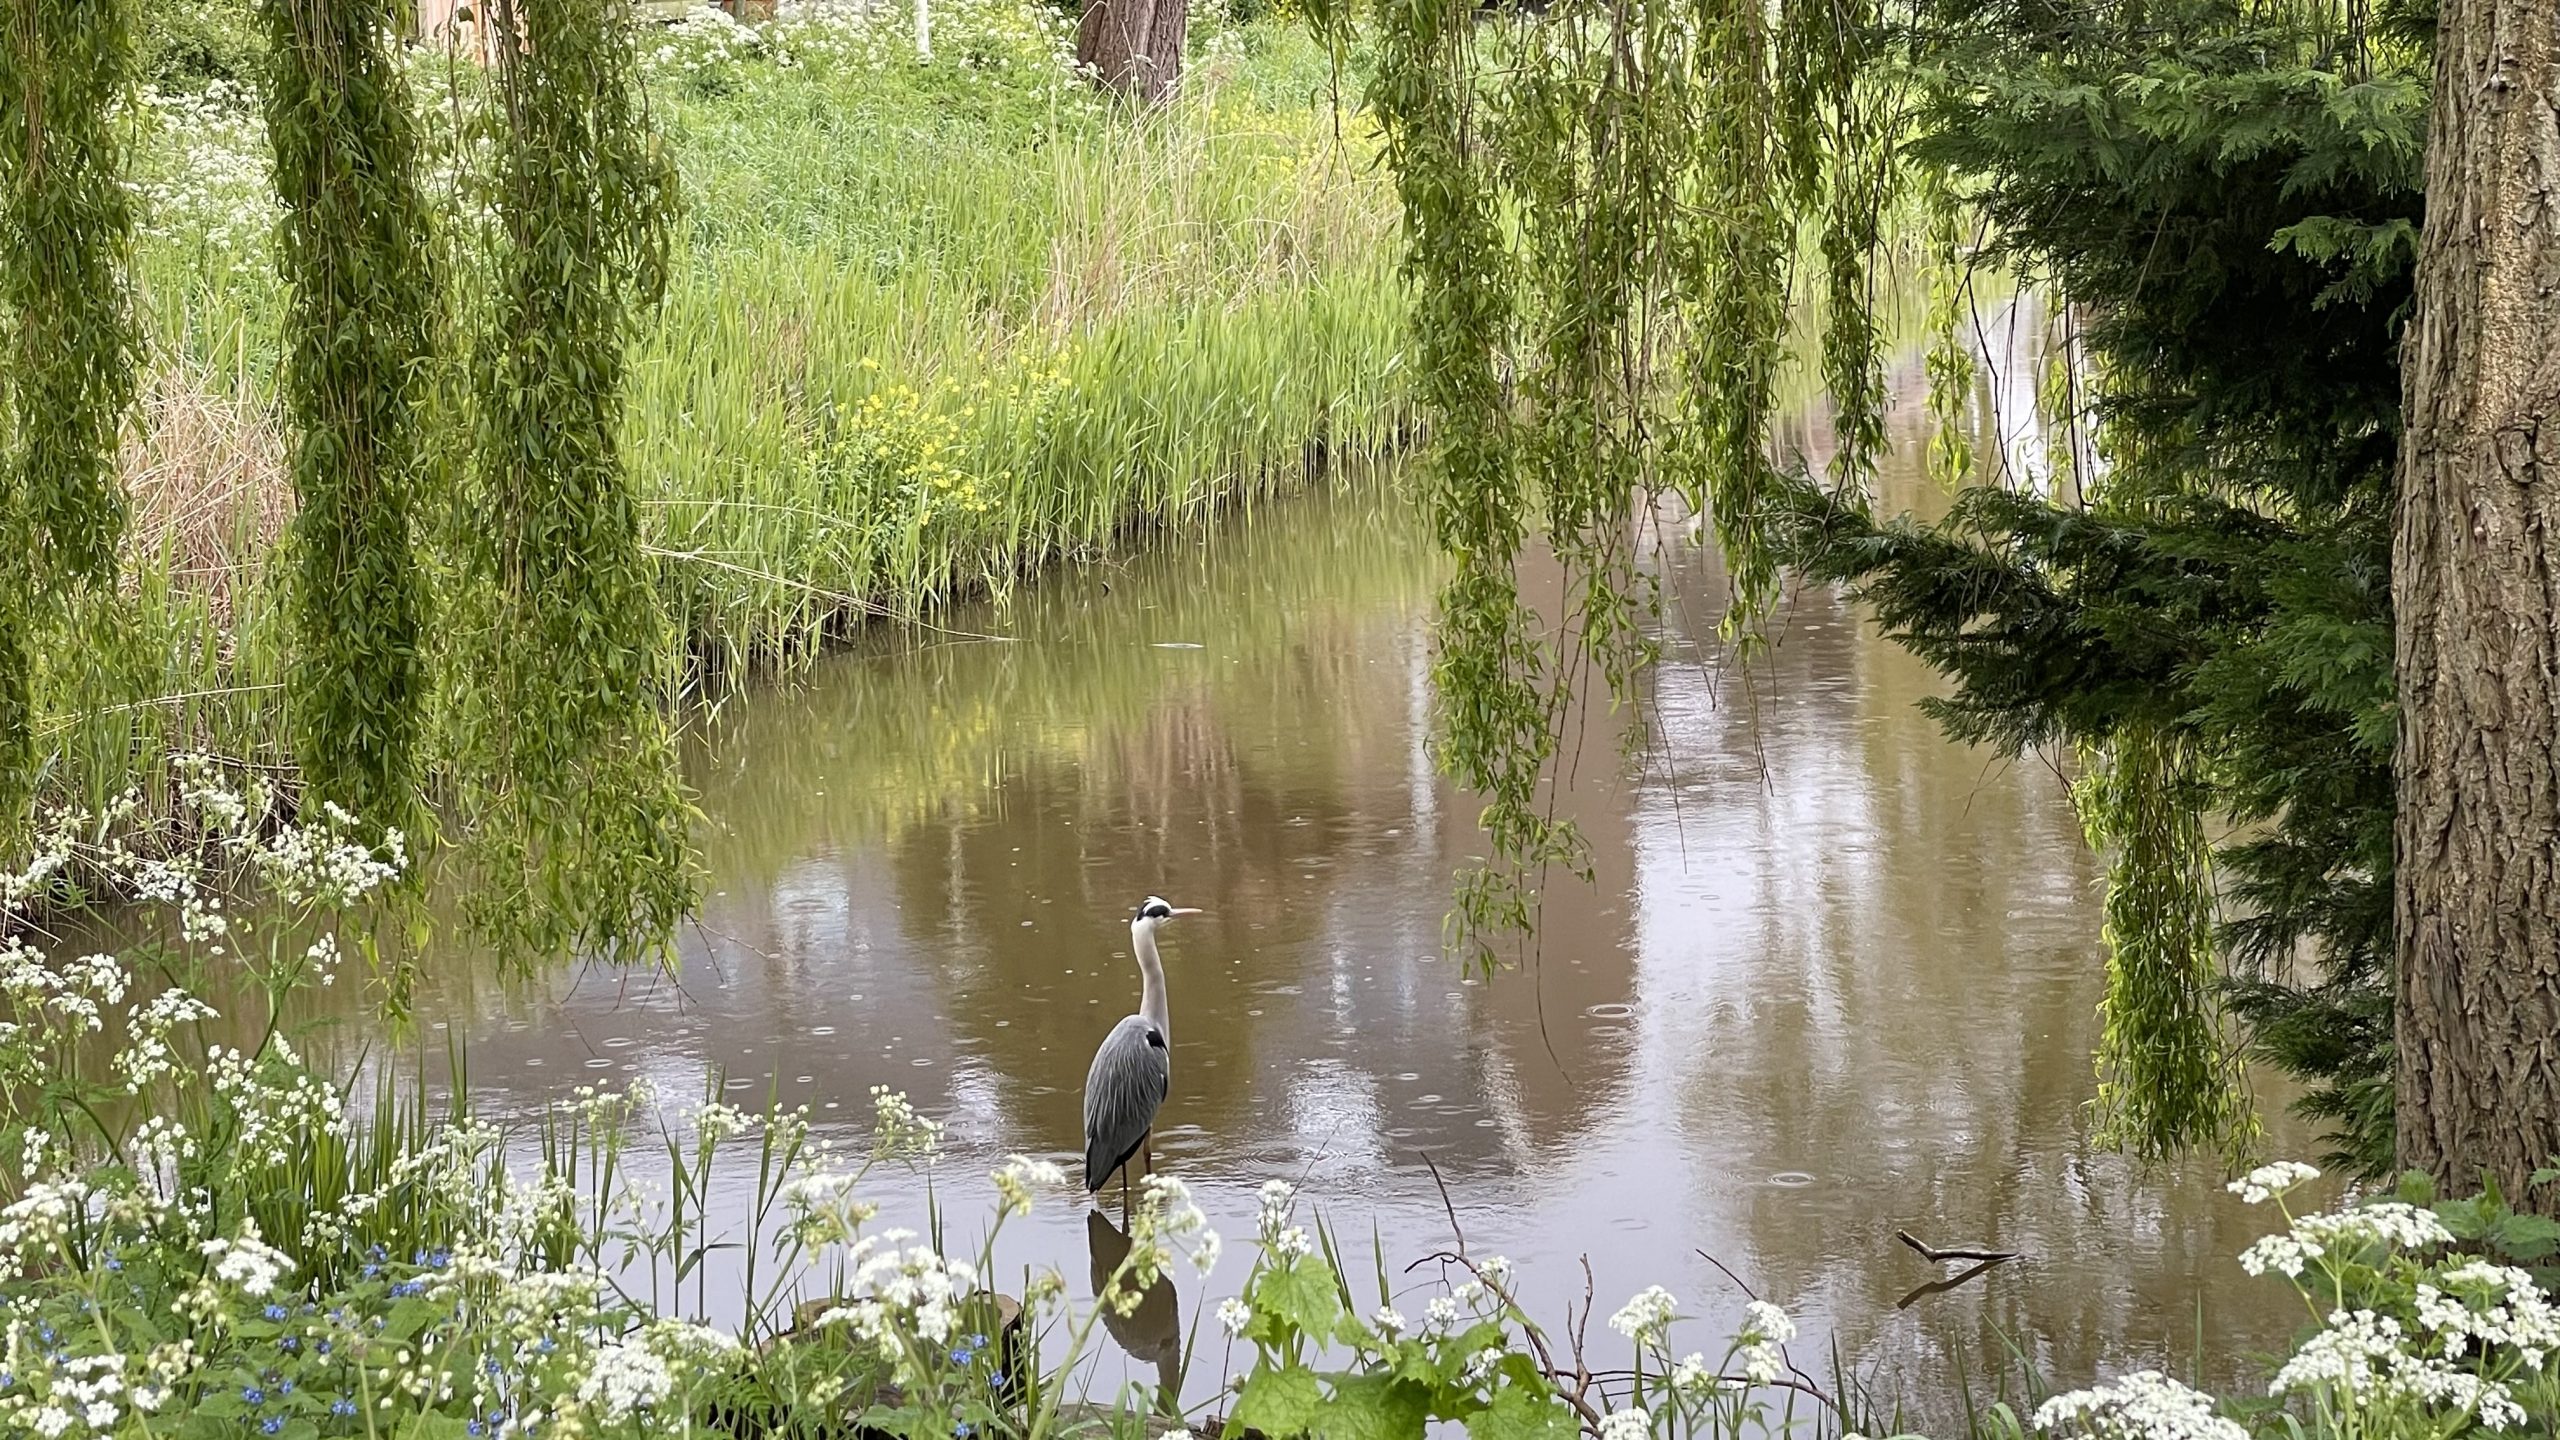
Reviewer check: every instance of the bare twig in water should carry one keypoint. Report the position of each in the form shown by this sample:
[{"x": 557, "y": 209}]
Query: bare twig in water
[
  {"x": 1747, "y": 1292},
  {"x": 1936, "y": 1287},
  {"x": 1933, "y": 1254},
  {"x": 1445, "y": 1203}
]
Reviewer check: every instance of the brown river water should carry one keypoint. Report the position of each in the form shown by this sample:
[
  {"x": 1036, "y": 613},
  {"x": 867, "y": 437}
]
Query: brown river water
[{"x": 1837, "y": 977}]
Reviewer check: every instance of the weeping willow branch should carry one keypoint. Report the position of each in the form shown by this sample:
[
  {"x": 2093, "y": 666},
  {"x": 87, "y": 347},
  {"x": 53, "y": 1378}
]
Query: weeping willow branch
[
  {"x": 582, "y": 826},
  {"x": 364, "y": 298},
  {"x": 2169, "y": 1076},
  {"x": 1600, "y": 207},
  {"x": 65, "y": 238}
]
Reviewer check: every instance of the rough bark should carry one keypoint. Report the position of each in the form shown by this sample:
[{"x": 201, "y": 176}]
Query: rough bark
[
  {"x": 2478, "y": 599},
  {"x": 1134, "y": 46}
]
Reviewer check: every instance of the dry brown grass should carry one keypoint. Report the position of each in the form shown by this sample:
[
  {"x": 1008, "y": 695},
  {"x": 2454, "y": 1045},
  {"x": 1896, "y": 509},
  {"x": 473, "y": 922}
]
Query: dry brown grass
[{"x": 204, "y": 465}]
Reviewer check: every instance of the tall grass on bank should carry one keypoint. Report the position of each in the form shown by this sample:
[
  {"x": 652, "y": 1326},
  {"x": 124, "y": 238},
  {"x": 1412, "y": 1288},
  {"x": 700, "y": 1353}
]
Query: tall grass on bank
[{"x": 932, "y": 326}]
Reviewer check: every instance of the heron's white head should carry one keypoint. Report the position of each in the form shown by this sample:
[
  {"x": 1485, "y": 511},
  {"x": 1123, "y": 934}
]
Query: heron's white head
[{"x": 1154, "y": 912}]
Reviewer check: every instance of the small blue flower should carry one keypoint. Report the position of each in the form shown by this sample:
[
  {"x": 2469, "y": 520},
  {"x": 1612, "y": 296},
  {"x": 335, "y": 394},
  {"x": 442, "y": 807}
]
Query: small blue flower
[
  {"x": 342, "y": 1407},
  {"x": 284, "y": 1387},
  {"x": 964, "y": 1430},
  {"x": 490, "y": 1365},
  {"x": 408, "y": 1288},
  {"x": 271, "y": 1425},
  {"x": 977, "y": 1342},
  {"x": 322, "y": 1347},
  {"x": 471, "y": 1428},
  {"x": 253, "y": 1394},
  {"x": 963, "y": 1355},
  {"x": 45, "y": 1330},
  {"x": 370, "y": 1271},
  {"x": 277, "y": 1312},
  {"x": 114, "y": 1264}
]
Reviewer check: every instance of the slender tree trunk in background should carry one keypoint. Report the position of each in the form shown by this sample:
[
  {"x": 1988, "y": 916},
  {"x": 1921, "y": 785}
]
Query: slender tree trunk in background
[
  {"x": 2476, "y": 579},
  {"x": 1134, "y": 46}
]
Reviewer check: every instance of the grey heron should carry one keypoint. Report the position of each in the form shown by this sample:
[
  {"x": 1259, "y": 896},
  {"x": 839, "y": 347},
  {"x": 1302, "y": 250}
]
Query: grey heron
[{"x": 1133, "y": 1069}]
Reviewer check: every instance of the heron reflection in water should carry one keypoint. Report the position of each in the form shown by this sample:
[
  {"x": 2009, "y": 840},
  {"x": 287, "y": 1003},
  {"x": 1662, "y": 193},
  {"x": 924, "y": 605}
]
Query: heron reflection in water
[{"x": 1151, "y": 1333}]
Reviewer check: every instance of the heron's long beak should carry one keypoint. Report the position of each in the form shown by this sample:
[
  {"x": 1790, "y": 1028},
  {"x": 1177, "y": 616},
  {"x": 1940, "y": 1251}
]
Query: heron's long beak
[{"x": 1187, "y": 910}]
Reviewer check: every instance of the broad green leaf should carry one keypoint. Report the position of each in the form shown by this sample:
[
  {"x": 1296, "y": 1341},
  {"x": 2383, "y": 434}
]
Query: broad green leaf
[
  {"x": 1303, "y": 1293},
  {"x": 1279, "y": 1402},
  {"x": 1375, "y": 1407},
  {"x": 1522, "y": 1412}
]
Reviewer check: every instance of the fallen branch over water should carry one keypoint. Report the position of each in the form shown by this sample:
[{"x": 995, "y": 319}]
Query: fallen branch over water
[{"x": 1935, "y": 1255}]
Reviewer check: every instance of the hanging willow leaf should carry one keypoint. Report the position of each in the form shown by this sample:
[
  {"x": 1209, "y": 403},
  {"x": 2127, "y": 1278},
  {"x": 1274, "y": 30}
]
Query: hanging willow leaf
[
  {"x": 1600, "y": 207},
  {"x": 582, "y": 825},
  {"x": 362, "y": 327},
  {"x": 65, "y": 239},
  {"x": 2169, "y": 1074}
]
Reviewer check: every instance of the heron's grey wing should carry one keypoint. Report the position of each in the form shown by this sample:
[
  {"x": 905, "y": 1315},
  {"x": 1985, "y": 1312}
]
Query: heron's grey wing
[{"x": 1122, "y": 1092}]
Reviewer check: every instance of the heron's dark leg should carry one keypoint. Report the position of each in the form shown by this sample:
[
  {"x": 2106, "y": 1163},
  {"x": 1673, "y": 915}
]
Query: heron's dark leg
[
  {"x": 1148, "y": 1141},
  {"x": 1124, "y": 1192}
]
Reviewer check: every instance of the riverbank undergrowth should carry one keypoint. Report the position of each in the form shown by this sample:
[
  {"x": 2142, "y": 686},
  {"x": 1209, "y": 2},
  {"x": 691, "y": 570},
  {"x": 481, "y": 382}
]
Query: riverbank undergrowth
[{"x": 933, "y": 324}]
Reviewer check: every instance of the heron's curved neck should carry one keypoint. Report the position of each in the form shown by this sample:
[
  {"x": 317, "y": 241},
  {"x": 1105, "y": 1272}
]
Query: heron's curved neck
[{"x": 1142, "y": 939}]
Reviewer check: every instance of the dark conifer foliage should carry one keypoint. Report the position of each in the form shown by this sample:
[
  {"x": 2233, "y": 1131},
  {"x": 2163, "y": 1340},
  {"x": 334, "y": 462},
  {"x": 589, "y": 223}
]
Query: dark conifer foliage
[{"x": 2229, "y": 203}]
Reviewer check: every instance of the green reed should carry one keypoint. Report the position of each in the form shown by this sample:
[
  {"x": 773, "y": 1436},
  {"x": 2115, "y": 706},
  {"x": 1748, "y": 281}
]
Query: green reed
[{"x": 929, "y": 329}]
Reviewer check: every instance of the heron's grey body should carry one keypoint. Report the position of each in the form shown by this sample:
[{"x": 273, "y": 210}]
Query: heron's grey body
[{"x": 1134, "y": 1068}]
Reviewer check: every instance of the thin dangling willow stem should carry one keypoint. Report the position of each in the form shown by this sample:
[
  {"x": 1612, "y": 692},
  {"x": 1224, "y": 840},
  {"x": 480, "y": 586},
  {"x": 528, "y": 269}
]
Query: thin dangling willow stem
[
  {"x": 2168, "y": 1074},
  {"x": 582, "y": 826},
  {"x": 1495, "y": 733},
  {"x": 68, "y": 358},
  {"x": 1949, "y": 362},
  {"x": 362, "y": 326},
  {"x": 1600, "y": 206}
]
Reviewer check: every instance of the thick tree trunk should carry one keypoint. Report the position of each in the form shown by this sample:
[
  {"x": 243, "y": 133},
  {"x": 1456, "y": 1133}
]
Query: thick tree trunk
[
  {"x": 2476, "y": 579},
  {"x": 1134, "y": 46}
]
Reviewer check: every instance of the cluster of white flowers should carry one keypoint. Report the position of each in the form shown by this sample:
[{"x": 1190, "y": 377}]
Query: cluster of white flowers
[
  {"x": 1019, "y": 1176},
  {"x": 2145, "y": 1405},
  {"x": 247, "y": 1263},
  {"x": 2496, "y": 1306},
  {"x": 696, "y": 1347},
  {"x": 1234, "y": 1315},
  {"x": 1632, "y": 1423},
  {"x": 1388, "y": 1322},
  {"x": 2364, "y": 1359},
  {"x": 57, "y": 999},
  {"x": 1168, "y": 1221},
  {"x": 897, "y": 1292},
  {"x": 324, "y": 862},
  {"x": 2270, "y": 1182},
  {"x": 39, "y": 1223},
  {"x": 147, "y": 1057},
  {"x": 897, "y": 1129},
  {"x": 1765, "y": 1331},
  {"x": 1693, "y": 1378},
  {"x": 55, "y": 839},
  {"x": 1016, "y": 42},
  {"x": 703, "y": 47},
  {"x": 714, "y": 1122},
  {"x": 277, "y": 1101},
  {"x": 824, "y": 1210},
  {"x": 1480, "y": 1365},
  {"x": 2345, "y": 1233},
  {"x": 204, "y": 182},
  {"x": 1647, "y": 1317},
  {"x": 626, "y": 1376}
]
